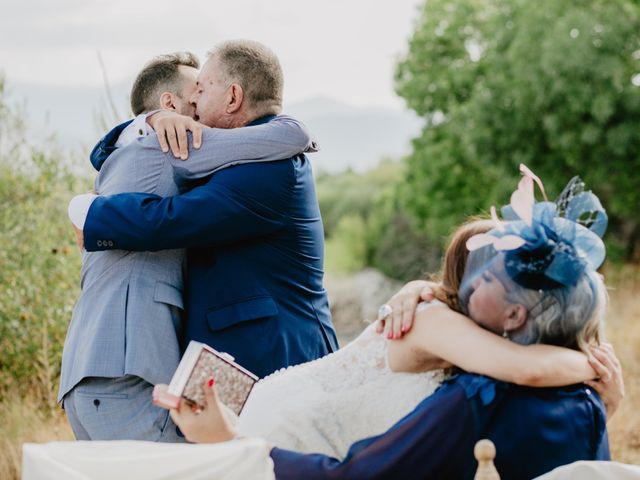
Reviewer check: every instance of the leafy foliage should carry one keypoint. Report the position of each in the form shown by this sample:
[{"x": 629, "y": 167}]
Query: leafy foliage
[
  {"x": 353, "y": 212},
  {"x": 365, "y": 225},
  {"x": 40, "y": 262},
  {"x": 555, "y": 85}
]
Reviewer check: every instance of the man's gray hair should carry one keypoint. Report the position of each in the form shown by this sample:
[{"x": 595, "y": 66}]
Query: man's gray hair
[
  {"x": 160, "y": 75},
  {"x": 570, "y": 316},
  {"x": 256, "y": 69}
]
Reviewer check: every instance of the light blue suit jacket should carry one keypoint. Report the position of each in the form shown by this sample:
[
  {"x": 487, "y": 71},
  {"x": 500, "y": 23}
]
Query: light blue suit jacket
[{"x": 128, "y": 315}]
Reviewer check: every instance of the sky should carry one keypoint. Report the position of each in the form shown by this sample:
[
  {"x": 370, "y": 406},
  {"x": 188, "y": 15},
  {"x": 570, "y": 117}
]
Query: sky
[{"x": 342, "y": 49}]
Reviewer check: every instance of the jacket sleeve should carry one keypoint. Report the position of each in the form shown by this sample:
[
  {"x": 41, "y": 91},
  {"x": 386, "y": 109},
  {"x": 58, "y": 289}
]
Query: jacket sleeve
[
  {"x": 106, "y": 145},
  {"x": 283, "y": 137},
  {"x": 434, "y": 441},
  {"x": 237, "y": 204}
]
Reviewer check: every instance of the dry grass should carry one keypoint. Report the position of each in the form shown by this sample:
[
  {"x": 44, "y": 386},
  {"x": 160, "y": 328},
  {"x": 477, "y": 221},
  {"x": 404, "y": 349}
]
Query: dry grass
[
  {"x": 25, "y": 421},
  {"x": 624, "y": 332}
]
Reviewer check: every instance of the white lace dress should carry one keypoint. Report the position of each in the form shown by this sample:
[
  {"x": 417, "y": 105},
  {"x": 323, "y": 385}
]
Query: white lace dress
[{"x": 325, "y": 405}]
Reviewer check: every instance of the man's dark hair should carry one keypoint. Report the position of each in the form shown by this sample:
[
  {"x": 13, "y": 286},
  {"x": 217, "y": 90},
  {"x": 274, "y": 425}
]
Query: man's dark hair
[{"x": 159, "y": 75}]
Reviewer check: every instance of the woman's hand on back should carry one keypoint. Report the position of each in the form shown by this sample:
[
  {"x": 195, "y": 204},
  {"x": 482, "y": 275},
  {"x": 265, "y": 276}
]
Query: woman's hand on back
[
  {"x": 403, "y": 308},
  {"x": 610, "y": 383}
]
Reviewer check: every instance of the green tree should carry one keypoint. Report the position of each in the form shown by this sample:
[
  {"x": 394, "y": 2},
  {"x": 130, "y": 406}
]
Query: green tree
[
  {"x": 554, "y": 85},
  {"x": 353, "y": 206}
]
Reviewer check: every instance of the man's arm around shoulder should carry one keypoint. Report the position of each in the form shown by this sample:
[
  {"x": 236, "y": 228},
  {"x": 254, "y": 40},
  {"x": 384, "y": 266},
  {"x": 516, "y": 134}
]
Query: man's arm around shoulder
[{"x": 237, "y": 204}]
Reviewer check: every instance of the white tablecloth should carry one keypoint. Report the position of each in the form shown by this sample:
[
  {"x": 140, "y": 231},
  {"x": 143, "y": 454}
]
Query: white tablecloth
[
  {"x": 593, "y": 471},
  {"x": 244, "y": 459}
]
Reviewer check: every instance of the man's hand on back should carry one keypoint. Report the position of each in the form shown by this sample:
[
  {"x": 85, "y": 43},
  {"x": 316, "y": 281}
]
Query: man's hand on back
[
  {"x": 79, "y": 236},
  {"x": 171, "y": 129}
]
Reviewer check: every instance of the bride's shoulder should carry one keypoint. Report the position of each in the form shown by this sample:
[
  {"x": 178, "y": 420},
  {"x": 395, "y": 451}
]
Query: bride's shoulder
[{"x": 429, "y": 305}]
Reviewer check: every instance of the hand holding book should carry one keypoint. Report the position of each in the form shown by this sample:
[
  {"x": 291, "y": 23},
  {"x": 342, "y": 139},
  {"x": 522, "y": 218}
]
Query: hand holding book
[
  {"x": 200, "y": 363},
  {"x": 201, "y": 425}
]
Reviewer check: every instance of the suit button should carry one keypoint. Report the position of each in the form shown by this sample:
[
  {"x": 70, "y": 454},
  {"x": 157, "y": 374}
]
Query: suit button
[
  {"x": 99, "y": 242},
  {"x": 110, "y": 243}
]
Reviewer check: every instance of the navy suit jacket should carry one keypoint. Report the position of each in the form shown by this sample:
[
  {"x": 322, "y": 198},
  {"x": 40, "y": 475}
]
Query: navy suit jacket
[
  {"x": 534, "y": 430},
  {"x": 255, "y": 261},
  {"x": 107, "y": 145}
]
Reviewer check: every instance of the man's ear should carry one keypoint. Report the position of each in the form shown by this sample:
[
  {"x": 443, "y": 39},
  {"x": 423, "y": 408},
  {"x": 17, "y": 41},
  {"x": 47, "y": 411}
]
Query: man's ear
[
  {"x": 516, "y": 317},
  {"x": 235, "y": 98},
  {"x": 166, "y": 101}
]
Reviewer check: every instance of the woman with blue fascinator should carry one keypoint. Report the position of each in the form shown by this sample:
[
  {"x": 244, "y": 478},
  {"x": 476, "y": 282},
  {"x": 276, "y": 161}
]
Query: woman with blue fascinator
[
  {"x": 531, "y": 279},
  {"x": 544, "y": 255}
]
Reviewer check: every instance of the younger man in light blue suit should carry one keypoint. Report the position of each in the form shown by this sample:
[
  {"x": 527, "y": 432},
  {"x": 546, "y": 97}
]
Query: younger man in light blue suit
[{"x": 123, "y": 335}]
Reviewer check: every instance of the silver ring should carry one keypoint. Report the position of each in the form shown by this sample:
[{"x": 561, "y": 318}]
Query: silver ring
[{"x": 384, "y": 311}]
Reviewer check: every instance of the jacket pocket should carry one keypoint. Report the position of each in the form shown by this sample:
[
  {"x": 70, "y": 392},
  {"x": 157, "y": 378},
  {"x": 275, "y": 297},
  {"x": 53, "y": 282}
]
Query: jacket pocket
[
  {"x": 165, "y": 293},
  {"x": 243, "y": 311}
]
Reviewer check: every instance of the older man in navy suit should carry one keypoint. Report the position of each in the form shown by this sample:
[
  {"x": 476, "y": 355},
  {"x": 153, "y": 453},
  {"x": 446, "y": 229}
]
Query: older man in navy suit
[{"x": 254, "y": 231}]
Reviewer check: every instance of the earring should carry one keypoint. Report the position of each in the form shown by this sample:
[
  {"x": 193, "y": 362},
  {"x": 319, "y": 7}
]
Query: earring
[{"x": 505, "y": 334}]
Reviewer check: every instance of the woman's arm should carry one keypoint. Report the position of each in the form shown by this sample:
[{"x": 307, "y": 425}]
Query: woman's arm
[{"x": 457, "y": 339}]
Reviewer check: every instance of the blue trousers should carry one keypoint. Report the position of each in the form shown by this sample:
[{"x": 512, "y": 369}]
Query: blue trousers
[{"x": 118, "y": 409}]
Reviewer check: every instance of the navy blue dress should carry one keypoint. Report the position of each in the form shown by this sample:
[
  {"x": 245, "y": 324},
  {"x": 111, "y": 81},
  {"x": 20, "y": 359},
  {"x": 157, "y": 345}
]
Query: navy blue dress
[{"x": 535, "y": 430}]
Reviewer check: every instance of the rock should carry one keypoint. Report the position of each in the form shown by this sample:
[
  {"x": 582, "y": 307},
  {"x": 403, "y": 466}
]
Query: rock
[{"x": 355, "y": 300}]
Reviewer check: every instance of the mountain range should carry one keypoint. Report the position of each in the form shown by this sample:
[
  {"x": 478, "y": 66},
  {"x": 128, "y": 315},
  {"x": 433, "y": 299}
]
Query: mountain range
[{"x": 350, "y": 137}]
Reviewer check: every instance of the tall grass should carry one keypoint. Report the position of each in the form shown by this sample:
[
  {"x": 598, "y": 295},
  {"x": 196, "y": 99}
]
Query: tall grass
[
  {"x": 39, "y": 271},
  {"x": 623, "y": 329},
  {"x": 26, "y": 420}
]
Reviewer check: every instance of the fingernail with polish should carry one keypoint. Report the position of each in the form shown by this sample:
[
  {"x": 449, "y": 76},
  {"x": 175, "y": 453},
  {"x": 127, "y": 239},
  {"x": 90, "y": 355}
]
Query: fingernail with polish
[{"x": 211, "y": 382}]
